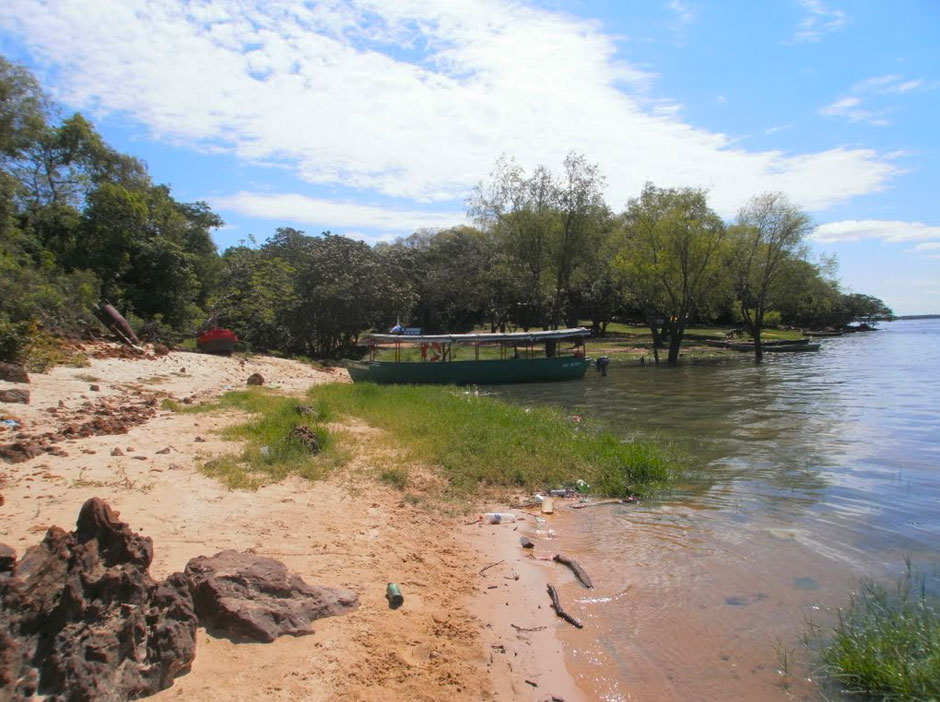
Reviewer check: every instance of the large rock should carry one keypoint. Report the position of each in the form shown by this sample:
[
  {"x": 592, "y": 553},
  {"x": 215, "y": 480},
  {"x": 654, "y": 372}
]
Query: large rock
[
  {"x": 255, "y": 597},
  {"x": 13, "y": 373},
  {"x": 81, "y": 619},
  {"x": 15, "y": 395}
]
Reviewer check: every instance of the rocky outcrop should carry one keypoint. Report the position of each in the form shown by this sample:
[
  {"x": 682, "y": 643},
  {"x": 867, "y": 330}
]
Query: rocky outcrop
[
  {"x": 254, "y": 597},
  {"x": 81, "y": 618}
]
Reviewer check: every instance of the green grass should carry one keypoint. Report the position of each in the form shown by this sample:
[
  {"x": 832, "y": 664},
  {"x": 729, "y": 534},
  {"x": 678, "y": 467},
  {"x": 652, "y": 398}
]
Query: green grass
[
  {"x": 887, "y": 642},
  {"x": 270, "y": 453},
  {"x": 481, "y": 441}
]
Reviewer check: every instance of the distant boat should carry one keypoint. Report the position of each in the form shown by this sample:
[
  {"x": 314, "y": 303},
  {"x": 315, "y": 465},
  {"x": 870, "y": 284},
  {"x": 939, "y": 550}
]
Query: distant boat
[
  {"x": 773, "y": 346},
  {"x": 822, "y": 333},
  {"x": 217, "y": 341},
  {"x": 438, "y": 367}
]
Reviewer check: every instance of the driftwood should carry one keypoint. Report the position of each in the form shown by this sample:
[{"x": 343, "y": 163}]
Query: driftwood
[
  {"x": 575, "y": 568},
  {"x": 556, "y": 605},
  {"x": 491, "y": 565},
  {"x": 582, "y": 505},
  {"x": 115, "y": 321}
]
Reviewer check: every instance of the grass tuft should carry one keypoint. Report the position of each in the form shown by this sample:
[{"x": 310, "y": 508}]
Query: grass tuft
[
  {"x": 271, "y": 452},
  {"x": 887, "y": 642},
  {"x": 482, "y": 441}
]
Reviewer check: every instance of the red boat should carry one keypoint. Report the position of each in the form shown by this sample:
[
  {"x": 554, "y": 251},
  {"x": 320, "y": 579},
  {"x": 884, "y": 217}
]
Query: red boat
[{"x": 218, "y": 341}]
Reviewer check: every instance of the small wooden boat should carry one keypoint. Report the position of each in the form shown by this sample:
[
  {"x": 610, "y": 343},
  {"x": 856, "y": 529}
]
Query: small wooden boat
[
  {"x": 437, "y": 364},
  {"x": 822, "y": 333},
  {"x": 218, "y": 341},
  {"x": 775, "y": 348}
]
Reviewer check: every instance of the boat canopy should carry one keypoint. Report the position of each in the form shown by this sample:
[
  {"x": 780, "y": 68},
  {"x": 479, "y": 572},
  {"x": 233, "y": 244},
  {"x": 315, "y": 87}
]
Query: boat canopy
[{"x": 483, "y": 338}]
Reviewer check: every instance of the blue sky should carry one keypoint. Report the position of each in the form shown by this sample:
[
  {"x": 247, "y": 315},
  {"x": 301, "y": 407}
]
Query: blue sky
[{"x": 373, "y": 118}]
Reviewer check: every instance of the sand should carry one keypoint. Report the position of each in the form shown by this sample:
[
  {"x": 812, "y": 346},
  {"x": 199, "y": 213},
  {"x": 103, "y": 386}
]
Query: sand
[{"x": 452, "y": 639}]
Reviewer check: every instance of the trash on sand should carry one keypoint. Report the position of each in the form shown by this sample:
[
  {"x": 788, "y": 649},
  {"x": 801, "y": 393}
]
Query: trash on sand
[
  {"x": 581, "y": 486},
  {"x": 12, "y": 423},
  {"x": 525, "y": 542},
  {"x": 498, "y": 517},
  {"x": 548, "y": 505},
  {"x": 561, "y": 492},
  {"x": 537, "y": 498},
  {"x": 393, "y": 595}
]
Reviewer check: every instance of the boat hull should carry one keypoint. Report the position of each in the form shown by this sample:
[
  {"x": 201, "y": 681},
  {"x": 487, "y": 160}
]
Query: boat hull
[{"x": 491, "y": 372}]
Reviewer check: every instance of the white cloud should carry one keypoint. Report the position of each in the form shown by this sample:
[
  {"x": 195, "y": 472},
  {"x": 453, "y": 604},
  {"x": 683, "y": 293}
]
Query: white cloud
[
  {"x": 682, "y": 11},
  {"x": 778, "y": 128},
  {"x": 290, "y": 207},
  {"x": 818, "y": 21},
  {"x": 850, "y": 106},
  {"x": 891, "y": 231},
  {"x": 411, "y": 99}
]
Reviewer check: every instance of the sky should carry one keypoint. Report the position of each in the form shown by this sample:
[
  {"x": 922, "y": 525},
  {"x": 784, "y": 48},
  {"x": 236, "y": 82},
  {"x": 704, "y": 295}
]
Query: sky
[{"x": 376, "y": 118}]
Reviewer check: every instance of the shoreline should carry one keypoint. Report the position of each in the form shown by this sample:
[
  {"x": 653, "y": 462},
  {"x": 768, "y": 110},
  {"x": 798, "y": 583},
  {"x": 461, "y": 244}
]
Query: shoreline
[
  {"x": 347, "y": 530},
  {"x": 519, "y": 626}
]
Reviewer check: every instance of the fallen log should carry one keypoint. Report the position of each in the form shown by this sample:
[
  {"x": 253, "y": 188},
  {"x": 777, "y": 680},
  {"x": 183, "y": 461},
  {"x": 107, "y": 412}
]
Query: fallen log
[
  {"x": 575, "y": 568},
  {"x": 556, "y": 605}
]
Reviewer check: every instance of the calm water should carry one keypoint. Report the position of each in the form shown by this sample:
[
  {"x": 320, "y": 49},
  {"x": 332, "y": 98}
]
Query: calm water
[{"x": 818, "y": 469}]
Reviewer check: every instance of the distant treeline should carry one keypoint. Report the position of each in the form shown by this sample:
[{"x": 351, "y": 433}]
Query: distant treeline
[{"x": 81, "y": 222}]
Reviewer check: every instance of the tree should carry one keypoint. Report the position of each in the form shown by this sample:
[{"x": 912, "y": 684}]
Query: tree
[
  {"x": 670, "y": 255},
  {"x": 769, "y": 232}
]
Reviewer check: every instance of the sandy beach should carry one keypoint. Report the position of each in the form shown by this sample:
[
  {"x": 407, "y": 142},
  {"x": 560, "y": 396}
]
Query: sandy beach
[{"x": 465, "y": 631}]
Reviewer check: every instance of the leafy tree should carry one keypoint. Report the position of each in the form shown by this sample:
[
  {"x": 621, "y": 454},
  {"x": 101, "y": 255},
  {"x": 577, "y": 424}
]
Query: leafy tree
[{"x": 670, "y": 255}]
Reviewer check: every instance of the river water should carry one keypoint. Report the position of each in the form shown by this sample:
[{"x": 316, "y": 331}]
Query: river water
[{"x": 814, "y": 470}]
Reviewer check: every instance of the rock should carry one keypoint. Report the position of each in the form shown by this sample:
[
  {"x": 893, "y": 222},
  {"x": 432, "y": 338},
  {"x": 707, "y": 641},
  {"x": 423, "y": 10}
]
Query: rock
[
  {"x": 20, "y": 451},
  {"x": 116, "y": 451},
  {"x": 7, "y": 559},
  {"x": 254, "y": 597},
  {"x": 199, "y": 440},
  {"x": 160, "y": 349},
  {"x": 81, "y": 619},
  {"x": 94, "y": 388},
  {"x": 13, "y": 373},
  {"x": 15, "y": 395},
  {"x": 164, "y": 450},
  {"x": 255, "y": 379},
  {"x": 306, "y": 436}
]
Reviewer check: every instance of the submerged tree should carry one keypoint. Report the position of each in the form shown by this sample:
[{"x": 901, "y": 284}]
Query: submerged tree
[
  {"x": 670, "y": 255},
  {"x": 769, "y": 233}
]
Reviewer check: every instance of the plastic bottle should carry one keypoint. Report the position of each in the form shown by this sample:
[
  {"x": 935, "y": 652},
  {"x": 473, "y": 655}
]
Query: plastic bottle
[
  {"x": 498, "y": 517},
  {"x": 581, "y": 486},
  {"x": 562, "y": 492}
]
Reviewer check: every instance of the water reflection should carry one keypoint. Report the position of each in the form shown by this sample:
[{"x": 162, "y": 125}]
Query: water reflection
[{"x": 817, "y": 469}]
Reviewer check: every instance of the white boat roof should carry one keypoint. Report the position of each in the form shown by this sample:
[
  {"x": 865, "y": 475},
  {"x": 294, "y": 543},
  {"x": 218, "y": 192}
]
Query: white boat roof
[{"x": 483, "y": 338}]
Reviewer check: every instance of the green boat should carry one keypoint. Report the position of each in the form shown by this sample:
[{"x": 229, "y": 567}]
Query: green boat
[{"x": 523, "y": 357}]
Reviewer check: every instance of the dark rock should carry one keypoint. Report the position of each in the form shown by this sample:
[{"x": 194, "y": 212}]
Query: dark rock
[
  {"x": 116, "y": 451},
  {"x": 307, "y": 437},
  {"x": 164, "y": 450},
  {"x": 81, "y": 618},
  {"x": 7, "y": 559},
  {"x": 13, "y": 373},
  {"x": 160, "y": 349},
  {"x": 15, "y": 395},
  {"x": 255, "y": 379},
  {"x": 254, "y": 597},
  {"x": 199, "y": 440},
  {"x": 20, "y": 451},
  {"x": 94, "y": 388}
]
